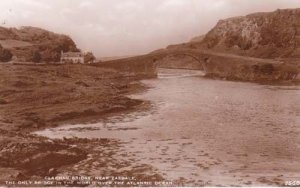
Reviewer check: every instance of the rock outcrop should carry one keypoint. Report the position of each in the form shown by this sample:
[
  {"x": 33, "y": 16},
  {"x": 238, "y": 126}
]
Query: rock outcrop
[
  {"x": 256, "y": 47},
  {"x": 249, "y": 69},
  {"x": 264, "y": 35}
]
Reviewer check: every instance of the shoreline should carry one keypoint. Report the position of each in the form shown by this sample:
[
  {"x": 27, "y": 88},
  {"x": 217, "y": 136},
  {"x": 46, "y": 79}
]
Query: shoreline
[
  {"x": 25, "y": 109},
  {"x": 88, "y": 95}
]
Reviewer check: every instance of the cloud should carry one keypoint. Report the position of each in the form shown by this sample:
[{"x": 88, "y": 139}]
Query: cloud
[
  {"x": 86, "y": 4},
  {"x": 120, "y": 27}
]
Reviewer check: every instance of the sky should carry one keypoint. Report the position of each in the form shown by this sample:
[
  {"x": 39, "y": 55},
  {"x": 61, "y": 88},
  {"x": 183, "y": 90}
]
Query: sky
[{"x": 129, "y": 27}]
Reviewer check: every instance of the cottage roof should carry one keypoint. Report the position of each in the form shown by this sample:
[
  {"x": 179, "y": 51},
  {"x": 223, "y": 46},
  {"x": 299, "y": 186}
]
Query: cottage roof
[{"x": 72, "y": 54}]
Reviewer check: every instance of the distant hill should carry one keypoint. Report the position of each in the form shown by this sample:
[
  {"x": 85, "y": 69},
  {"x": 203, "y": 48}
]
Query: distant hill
[
  {"x": 35, "y": 44},
  {"x": 265, "y": 35},
  {"x": 197, "y": 38}
]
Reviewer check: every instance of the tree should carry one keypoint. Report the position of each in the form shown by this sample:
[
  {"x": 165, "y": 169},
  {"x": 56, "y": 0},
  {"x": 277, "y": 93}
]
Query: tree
[
  {"x": 36, "y": 57},
  {"x": 50, "y": 56},
  {"x": 5, "y": 55},
  {"x": 89, "y": 57}
]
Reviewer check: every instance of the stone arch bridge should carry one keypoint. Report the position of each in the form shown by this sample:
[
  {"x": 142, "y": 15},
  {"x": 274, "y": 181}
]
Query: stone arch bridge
[{"x": 228, "y": 66}]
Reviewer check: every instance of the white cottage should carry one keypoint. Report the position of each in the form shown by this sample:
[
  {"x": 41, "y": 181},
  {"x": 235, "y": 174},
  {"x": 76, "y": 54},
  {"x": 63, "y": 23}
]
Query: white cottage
[{"x": 72, "y": 57}]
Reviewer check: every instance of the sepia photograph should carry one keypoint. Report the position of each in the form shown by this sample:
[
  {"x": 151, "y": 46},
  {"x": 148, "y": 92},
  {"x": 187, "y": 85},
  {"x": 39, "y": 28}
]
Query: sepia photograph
[{"x": 149, "y": 93}]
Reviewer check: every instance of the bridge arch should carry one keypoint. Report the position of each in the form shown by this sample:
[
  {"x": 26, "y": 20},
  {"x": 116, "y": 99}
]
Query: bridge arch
[{"x": 199, "y": 60}]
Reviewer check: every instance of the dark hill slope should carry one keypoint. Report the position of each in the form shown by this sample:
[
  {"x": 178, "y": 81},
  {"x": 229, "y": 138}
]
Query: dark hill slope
[{"x": 35, "y": 44}]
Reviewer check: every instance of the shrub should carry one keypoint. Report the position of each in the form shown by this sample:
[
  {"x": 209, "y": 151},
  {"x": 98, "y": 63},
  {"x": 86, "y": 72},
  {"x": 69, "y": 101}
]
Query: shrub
[
  {"x": 89, "y": 57},
  {"x": 267, "y": 68},
  {"x": 36, "y": 57},
  {"x": 5, "y": 55}
]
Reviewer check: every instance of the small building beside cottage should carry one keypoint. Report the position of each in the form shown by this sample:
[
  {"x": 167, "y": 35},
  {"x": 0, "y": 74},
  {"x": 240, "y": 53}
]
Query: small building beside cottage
[{"x": 72, "y": 57}]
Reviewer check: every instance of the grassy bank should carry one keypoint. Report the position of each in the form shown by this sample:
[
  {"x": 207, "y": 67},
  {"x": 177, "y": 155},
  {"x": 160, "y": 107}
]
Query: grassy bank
[
  {"x": 40, "y": 96},
  {"x": 34, "y": 97}
]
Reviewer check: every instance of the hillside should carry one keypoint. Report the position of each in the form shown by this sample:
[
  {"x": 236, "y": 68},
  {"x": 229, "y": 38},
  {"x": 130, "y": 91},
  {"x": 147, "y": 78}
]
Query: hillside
[
  {"x": 35, "y": 44},
  {"x": 263, "y": 47},
  {"x": 265, "y": 35},
  {"x": 197, "y": 38}
]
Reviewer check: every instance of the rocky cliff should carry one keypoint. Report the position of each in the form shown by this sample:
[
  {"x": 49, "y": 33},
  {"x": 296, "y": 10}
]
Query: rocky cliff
[
  {"x": 35, "y": 44},
  {"x": 265, "y": 35},
  {"x": 272, "y": 37}
]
